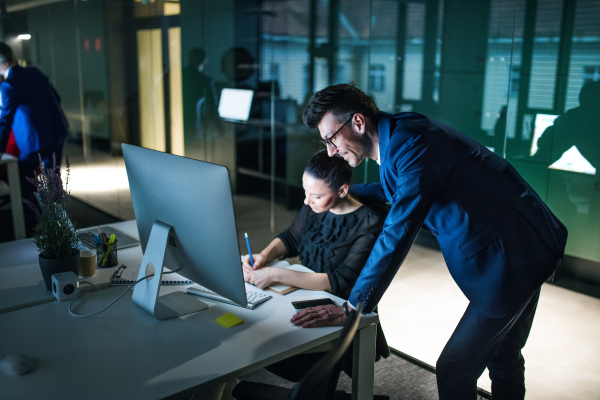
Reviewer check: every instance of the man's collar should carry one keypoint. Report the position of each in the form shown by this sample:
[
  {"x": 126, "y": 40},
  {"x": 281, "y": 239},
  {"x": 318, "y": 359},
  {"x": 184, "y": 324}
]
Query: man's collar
[{"x": 8, "y": 71}]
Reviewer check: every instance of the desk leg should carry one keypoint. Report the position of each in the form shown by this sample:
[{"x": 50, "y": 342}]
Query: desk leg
[
  {"x": 363, "y": 366},
  {"x": 16, "y": 204}
]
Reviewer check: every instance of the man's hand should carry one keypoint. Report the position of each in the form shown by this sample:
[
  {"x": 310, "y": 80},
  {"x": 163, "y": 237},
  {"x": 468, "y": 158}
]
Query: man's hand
[{"x": 311, "y": 317}]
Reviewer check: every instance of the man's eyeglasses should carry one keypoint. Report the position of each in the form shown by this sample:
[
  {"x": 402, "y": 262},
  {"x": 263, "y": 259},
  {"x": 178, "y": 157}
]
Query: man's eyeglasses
[{"x": 329, "y": 141}]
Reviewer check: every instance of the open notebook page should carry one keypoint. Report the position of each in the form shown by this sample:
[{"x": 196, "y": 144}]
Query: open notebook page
[{"x": 285, "y": 289}]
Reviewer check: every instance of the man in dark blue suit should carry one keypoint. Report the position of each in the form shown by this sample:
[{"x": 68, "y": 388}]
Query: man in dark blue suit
[
  {"x": 31, "y": 107},
  {"x": 498, "y": 238}
]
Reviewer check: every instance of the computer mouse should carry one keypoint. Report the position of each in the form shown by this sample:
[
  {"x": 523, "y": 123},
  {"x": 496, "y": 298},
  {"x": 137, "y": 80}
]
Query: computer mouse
[{"x": 17, "y": 364}]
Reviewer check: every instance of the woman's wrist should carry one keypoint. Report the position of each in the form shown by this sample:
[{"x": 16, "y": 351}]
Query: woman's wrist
[{"x": 266, "y": 257}]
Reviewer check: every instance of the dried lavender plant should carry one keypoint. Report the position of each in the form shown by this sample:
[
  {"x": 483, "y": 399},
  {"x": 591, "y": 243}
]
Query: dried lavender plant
[{"x": 54, "y": 234}]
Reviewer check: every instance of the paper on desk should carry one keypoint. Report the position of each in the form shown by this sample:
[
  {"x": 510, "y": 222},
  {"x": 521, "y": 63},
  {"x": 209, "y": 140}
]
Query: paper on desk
[{"x": 285, "y": 289}]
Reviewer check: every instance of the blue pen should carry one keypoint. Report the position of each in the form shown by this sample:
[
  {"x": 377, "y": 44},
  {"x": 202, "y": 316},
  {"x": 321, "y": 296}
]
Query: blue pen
[{"x": 249, "y": 251}]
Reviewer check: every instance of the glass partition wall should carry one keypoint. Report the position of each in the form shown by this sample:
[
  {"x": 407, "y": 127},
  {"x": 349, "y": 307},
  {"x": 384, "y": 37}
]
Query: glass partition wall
[{"x": 520, "y": 76}]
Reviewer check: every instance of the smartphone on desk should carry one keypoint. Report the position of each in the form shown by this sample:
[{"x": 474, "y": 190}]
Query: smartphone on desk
[{"x": 302, "y": 304}]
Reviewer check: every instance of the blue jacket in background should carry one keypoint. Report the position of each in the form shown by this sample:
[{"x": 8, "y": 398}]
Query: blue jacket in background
[
  {"x": 482, "y": 212},
  {"x": 31, "y": 107}
]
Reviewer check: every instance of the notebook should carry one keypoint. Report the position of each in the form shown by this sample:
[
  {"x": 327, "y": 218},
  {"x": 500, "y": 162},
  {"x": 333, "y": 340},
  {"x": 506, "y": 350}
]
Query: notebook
[
  {"x": 123, "y": 240},
  {"x": 126, "y": 275},
  {"x": 281, "y": 288}
]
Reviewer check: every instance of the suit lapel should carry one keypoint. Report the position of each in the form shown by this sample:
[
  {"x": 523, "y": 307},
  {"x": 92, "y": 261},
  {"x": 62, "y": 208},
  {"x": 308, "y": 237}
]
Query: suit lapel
[{"x": 383, "y": 127}]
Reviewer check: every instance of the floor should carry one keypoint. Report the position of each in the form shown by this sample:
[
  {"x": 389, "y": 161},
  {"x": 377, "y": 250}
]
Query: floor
[{"x": 423, "y": 305}]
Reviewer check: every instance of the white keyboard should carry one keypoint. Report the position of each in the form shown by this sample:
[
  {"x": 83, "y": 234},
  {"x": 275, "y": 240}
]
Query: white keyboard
[{"x": 253, "y": 297}]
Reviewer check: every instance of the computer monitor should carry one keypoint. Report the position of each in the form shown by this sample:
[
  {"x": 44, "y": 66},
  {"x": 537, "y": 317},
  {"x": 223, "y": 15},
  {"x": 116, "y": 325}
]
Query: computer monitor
[
  {"x": 234, "y": 104},
  {"x": 185, "y": 219}
]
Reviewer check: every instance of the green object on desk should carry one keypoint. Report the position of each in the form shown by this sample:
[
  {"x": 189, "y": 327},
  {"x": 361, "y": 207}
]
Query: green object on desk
[
  {"x": 110, "y": 243},
  {"x": 228, "y": 320}
]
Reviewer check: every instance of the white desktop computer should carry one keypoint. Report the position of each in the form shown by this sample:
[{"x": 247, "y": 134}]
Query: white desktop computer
[{"x": 186, "y": 222}]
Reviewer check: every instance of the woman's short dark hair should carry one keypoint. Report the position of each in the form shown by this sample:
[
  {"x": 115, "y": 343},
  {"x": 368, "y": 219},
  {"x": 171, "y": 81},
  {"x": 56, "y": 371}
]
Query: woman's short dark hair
[
  {"x": 342, "y": 100},
  {"x": 334, "y": 171}
]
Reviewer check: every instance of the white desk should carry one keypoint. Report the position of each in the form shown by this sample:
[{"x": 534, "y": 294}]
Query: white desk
[
  {"x": 21, "y": 281},
  {"x": 16, "y": 204},
  {"x": 126, "y": 353}
]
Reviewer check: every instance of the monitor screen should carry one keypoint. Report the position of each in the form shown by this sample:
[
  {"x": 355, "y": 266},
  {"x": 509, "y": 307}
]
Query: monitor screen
[
  {"x": 194, "y": 199},
  {"x": 234, "y": 104}
]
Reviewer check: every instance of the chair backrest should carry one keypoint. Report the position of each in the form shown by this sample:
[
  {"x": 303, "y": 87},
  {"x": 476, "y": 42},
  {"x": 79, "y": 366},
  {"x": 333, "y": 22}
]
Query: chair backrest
[{"x": 320, "y": 380}]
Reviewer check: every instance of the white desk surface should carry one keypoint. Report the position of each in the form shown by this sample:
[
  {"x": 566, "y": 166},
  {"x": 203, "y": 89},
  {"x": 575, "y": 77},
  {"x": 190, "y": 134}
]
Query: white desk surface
[
  {"x": 22, "y": 284},
  {"x": 126, "y": 353}
]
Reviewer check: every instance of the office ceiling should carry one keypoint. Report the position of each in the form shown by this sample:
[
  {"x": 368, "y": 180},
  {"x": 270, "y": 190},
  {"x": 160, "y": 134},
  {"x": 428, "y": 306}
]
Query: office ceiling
[{"x": 20, "y": 5}]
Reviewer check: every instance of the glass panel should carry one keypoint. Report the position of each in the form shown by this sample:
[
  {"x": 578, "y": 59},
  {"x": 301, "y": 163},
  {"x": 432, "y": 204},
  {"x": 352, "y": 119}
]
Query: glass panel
[
  {"x": 150, "y": 79},
  {"x": 502, "y": 74},
  {"x": 545, "y": 55},
  {"x": 570, "y": 146},
  {"x": 175, "y": 96},
  {"x": 384, "y": 62},
  {"x": 413, "y": 61}
]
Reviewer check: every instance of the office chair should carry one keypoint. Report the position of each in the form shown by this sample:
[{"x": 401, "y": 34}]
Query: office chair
[{"x": 318, "y": 382}]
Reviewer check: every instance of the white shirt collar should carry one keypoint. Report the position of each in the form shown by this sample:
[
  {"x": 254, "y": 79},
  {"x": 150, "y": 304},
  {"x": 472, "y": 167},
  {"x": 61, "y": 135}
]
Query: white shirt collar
[{"x": 8, "y": 71}]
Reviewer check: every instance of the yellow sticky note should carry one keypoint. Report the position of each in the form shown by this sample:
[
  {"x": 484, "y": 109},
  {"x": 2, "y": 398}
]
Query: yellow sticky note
[{"x": 228, "y": 320}]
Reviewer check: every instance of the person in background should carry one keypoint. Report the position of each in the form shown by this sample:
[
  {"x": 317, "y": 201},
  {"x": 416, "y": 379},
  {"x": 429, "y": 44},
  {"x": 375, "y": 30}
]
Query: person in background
[
  {"x": 11, "y": 146},
  {"x": 200, "y": 96},
  {"x": 498, "y": 238},
  {"x": 31, "y": 108}
]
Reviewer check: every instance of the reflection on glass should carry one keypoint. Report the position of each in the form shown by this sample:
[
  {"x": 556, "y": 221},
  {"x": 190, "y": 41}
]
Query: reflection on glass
[
  {"x": 571, "y": 142},
  {"x": 234, "y": 104},
  {"x": 542, "y": 121}
]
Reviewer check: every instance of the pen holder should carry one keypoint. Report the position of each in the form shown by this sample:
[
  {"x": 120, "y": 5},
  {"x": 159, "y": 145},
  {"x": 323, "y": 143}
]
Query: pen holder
[{"x": 107, "y": 255}]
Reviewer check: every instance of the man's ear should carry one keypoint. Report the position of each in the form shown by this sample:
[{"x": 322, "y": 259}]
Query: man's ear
[{"x": 360, "y": 122}]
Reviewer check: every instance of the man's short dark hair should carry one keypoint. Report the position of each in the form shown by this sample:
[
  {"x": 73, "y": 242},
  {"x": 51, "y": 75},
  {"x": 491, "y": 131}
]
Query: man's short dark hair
[
  {"x": 342, "y": 100},
  {"x": 6, "y": 53},
  {"x": 334, "y": 171}
]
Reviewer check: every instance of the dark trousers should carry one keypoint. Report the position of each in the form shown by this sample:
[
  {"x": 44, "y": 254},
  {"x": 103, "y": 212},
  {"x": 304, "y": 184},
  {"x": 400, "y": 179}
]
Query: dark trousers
[{"x": 479, "y": 342}]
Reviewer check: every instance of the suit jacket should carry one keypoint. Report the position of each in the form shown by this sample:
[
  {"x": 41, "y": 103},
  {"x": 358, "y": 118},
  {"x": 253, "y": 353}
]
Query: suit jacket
[
  {"x": 482, "y": 212},
  {"x": 31, "y": 106}
]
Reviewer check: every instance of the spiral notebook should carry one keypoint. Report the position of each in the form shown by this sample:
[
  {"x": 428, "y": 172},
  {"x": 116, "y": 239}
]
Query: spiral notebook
[{"x": 126, "y": 275}]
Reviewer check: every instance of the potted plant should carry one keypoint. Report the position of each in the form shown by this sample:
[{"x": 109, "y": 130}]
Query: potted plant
[{"x": 54, "y": 235}]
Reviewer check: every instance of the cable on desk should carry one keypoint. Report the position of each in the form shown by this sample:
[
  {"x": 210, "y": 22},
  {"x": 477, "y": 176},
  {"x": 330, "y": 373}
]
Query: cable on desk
[{"x": 115, "y": 300}]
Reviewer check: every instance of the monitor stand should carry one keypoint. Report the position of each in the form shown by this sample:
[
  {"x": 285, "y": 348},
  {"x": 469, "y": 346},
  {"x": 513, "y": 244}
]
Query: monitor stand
[{"x": 145, "y": 293}]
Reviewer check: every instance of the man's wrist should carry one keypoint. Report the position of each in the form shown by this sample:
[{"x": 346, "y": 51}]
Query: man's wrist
[{"x": 346, "y": 309}]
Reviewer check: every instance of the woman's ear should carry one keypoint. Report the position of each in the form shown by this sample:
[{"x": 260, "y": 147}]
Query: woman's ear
[{"x": 343, "y": 192}]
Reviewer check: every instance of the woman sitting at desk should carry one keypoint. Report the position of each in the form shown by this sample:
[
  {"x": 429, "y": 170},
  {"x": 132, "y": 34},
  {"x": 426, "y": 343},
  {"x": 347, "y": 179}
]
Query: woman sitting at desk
[{"x": 333, "y": 234}]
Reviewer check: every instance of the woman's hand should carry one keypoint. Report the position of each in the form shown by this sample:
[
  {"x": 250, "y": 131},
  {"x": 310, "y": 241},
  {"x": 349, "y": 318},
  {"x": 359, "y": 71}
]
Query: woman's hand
[
  {"x": 311, "y": 317},
  {"x": 261, "y": 278},
  {"x": 259, "y": 262}
]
